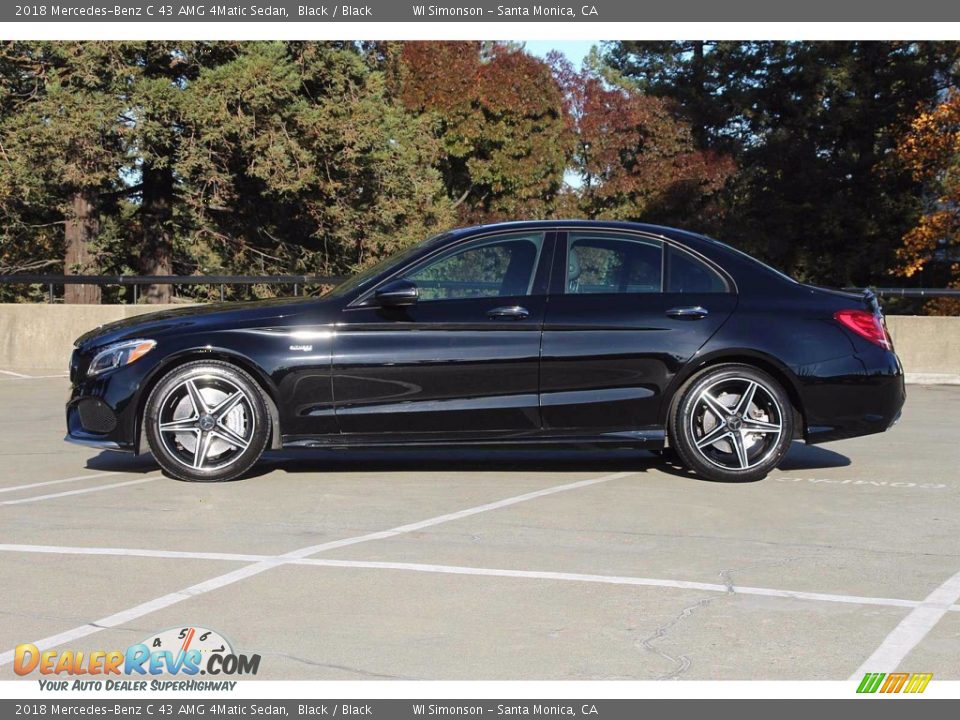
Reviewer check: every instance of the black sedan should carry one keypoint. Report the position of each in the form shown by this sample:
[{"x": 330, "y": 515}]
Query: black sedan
[{"x": 512, "y": 335}]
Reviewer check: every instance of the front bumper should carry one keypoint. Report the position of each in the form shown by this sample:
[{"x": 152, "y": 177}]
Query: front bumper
[
  {"x": 101, "y": 411},
  {"x": 94, "y": 443}
]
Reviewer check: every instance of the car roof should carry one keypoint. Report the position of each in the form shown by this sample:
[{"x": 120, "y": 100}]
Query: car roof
[{"x": 570, "y": 222}]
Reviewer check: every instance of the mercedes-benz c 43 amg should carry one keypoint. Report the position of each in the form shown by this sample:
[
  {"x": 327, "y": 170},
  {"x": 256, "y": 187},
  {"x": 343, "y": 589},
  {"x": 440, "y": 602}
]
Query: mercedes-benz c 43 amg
[{"x": 565, "y": 333}]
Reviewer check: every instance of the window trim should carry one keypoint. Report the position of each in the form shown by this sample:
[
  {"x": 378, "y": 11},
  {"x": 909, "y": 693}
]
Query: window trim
[
  {"x": 559, "y": 265},
  {"x": 698, "y": 258},
  {"x": 603, "y": 234},
  {"x": 541, "y": 274}
]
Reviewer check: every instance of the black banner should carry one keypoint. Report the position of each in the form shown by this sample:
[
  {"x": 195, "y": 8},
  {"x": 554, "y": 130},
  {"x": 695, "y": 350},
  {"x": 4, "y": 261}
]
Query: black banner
[{"x": 476, "y": 11}]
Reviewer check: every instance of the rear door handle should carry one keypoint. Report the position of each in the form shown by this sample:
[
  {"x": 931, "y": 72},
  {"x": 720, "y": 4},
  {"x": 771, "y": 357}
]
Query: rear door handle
[
  {"x": 508, "y": 312},
  {"x": 694, "y": 312}
]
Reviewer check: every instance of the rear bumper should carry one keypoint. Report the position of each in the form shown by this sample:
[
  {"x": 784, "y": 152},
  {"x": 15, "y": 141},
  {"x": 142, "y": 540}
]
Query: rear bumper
[{"x": 858, "y": 395}]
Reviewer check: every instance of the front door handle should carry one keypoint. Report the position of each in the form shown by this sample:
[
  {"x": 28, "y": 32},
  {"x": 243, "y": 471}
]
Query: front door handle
[
  {"x": 508, "y": 312},
  {"x": 694, "y": 312}
]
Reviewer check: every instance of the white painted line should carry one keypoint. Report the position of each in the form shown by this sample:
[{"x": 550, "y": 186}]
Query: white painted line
[
  {"x": 38, "y": 498},
  {"x": 912, "y": 629},
  {"x": 57, "y": 482},
  {"x": 14, "y": 374},
  {"x": 229, "y": 578},
  {"x": 413, "y": 527},
  {"x": 132, "y": 552},
  {"x": 21, "y": 376},
  {"x": 613, "y": 580},
  {"x": 465, "y": 570}
]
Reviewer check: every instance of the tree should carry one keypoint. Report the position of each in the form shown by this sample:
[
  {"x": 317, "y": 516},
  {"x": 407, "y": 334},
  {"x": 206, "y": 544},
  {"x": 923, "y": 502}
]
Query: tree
[
  {"x": 295, "y": 160},
  {"x": 501, "y": 122},
  {"x": 811, "y": 126},
  {"x": 62, "y": 150},
  {"x": 930, "y": 149},
  {"x": 635, "y": 158}
]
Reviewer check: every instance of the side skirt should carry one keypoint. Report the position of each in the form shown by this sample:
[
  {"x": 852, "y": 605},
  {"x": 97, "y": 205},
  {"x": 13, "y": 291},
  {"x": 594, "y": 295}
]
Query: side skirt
[{"x": 648, "y": 439}]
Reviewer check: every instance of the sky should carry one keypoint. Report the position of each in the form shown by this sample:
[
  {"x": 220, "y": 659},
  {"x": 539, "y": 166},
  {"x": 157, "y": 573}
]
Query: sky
[{"x": 575, "y": 50}]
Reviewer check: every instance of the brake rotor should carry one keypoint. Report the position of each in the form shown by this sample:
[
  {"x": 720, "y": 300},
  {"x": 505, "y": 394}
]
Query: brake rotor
[
  {"x": 754, "y": 412},
  {"x": 236, "y": 420}
]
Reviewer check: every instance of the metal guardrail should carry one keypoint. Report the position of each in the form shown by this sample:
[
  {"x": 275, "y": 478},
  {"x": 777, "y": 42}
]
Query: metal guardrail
[
  {"x": 299, "y": 281},
  {"x": 916, "y": 292},
  {"x": 136, "y": 281}
]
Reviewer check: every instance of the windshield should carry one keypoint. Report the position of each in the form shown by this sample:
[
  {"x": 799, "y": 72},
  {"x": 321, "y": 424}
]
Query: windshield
[{"x": 363, "y": 277}]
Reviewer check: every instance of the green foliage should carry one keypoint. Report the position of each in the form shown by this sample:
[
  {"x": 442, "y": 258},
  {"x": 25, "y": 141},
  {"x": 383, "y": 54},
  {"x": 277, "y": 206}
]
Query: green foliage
[
  {"x": 811, "y": 126},
  {"x": 296, "y": 157}
]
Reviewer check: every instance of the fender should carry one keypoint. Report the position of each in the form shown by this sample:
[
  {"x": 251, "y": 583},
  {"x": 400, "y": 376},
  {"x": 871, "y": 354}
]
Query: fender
[{"x": 213, "y": 352}]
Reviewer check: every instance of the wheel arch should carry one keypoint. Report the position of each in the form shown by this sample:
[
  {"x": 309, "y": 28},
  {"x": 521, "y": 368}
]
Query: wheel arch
[
  {"x": 223, "y": 355},
  {"x": 770, "y": 365}
]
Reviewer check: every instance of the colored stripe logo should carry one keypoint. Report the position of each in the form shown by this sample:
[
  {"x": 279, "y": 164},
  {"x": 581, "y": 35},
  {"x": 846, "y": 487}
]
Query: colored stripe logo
[{"x": 894, "y": 682}]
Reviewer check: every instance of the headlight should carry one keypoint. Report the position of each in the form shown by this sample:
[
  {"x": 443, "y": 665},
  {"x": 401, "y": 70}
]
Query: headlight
[{"x": 119, "y": 354}]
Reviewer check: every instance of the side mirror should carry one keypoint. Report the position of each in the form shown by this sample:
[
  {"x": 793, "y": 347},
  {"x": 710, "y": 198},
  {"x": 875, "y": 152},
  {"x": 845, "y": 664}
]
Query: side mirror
[{"x": 399, "y": 293}]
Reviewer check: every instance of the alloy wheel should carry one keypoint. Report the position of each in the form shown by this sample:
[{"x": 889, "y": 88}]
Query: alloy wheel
[
  {"x": 206, "y": 422},
  {"x": 736, "y": 423}
]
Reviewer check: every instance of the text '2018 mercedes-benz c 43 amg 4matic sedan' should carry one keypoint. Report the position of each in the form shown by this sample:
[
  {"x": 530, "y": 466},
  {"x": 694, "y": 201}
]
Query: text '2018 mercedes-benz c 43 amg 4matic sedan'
[{"x": 513, "y": 335}]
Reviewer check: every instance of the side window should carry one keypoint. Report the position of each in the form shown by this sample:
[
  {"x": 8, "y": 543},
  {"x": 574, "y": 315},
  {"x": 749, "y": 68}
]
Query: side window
[
  {"x": 687, "y": 274},
  {"x": 491, "y": 267},
  {"x": 606, "y": 263}
]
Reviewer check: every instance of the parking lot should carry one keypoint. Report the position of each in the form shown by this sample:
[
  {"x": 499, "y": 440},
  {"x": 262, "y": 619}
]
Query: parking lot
[{"x": 493, "y": 565}]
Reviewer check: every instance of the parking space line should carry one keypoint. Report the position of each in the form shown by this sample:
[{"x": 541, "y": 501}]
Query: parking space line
[
  {"x": 229, "y": 578},
  {"x": 613, "y": 580},
  {"x": 450, "y": 517},
  {"x": 98, "y": 488},
  {"x": 479, "y": 571},
  {"x": 22, "y": 376},
  {"x": 132, "y": 552},
  {"x": 14, "y": 374},
  {"x": 57, "y": 482},
  {"x": 912, "y": 629}
]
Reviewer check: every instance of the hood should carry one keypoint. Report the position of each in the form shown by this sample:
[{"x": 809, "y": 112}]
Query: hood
[{"x": 212, "y": 316}]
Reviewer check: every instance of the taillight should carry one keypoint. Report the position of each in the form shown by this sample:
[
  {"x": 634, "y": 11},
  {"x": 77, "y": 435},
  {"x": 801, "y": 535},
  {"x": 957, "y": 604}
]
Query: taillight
[{"x": 866, "y": 325}]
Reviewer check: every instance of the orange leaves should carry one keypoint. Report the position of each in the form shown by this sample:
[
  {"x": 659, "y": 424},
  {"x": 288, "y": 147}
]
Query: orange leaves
[
  {"x": 930, "y": 149},
  {"x": 638, "y": 160}
]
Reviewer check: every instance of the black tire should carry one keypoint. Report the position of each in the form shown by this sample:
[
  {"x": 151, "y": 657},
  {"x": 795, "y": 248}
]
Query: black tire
[
  {"x": 227, "y": 442},
  {"x": 736, "y": 454}
]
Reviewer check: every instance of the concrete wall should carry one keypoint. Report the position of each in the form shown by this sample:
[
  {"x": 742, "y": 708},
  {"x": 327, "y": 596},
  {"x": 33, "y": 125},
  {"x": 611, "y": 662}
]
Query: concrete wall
[
  {"x": 41, "y": 337},
  {"x": 929, "y": 347}
]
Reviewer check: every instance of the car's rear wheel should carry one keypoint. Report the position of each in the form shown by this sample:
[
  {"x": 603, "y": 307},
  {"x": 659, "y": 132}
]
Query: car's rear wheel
[
  {"x": 207, "y": 421},
  {"x": 732, "y": 423}
]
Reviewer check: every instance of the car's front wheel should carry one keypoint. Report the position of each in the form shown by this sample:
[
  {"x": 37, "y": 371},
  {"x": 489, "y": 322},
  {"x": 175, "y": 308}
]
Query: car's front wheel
[
  {"x": 732, "y": 423},
  {"x": 206, "y": 421}
]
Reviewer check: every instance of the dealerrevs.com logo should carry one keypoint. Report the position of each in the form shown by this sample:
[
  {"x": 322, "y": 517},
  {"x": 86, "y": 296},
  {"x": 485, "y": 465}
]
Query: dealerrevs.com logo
[{"x": 185, "y": 651}]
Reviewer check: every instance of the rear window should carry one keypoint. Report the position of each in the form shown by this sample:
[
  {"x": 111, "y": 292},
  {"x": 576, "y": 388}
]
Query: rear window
[{"x": 687, "y": 274}]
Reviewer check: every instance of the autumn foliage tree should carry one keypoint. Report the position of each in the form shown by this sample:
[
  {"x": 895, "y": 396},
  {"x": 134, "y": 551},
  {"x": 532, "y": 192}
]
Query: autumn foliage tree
[
  {"x": 931, "y": 151},
  {"x": 501, "y": 121},
  {"x": 637, "y": 160}
]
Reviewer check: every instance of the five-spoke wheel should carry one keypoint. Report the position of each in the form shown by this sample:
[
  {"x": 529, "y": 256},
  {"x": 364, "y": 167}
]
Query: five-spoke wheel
[
  {"x": 206, "y": 421},
  {"x": 732, "y": 422}
]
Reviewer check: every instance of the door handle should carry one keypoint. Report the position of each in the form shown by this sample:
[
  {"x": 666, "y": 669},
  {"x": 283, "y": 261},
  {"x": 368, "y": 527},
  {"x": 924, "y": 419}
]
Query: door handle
[
  {"x": 694, "y": 312},
  {"x": 508, "y": 312}
]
